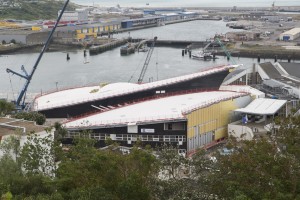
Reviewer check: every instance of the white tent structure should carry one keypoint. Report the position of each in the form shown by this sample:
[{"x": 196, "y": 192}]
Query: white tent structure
[
  {"x": 263, "y": 106},
  {"x": 255, "y": 118}
]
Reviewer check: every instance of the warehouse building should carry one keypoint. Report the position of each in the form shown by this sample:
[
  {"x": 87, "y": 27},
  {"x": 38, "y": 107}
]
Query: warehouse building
[
  {"x": 278, "y": 80},
  {"x": 129, "y": 23},
  {"x": 242, "y": 36},
  {"x": 24, "y": 36},
  {"x": 189, "y": 121},
  {"x": 80, "y": 32},
  {"x": 79, "y": 15},
  {"x": 290, "y": 35}
]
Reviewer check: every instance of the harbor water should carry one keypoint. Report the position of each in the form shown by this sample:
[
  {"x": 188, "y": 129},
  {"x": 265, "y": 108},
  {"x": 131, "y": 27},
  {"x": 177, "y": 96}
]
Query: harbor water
[{"x": 55, "y": 72}]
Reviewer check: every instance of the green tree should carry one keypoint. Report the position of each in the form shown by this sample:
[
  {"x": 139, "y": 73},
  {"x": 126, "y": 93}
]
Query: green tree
[
  {"x": 181, "y": 177},
  {"x": 38, "y": 155},
  {"x": 288, "y": 135},
  {"x": 39, "y": 118},
  {"x": 256, "y": 170},
  {"x": 6, "y": 107},
  {"x": 13, "y": 41},
  {"x": 85, "y": 169}
]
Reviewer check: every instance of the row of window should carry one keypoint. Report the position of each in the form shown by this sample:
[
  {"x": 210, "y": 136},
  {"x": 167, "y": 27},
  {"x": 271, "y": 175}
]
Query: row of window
[
  {"x": 99, "y": 29},
  {"x": 129, "y": 137}
]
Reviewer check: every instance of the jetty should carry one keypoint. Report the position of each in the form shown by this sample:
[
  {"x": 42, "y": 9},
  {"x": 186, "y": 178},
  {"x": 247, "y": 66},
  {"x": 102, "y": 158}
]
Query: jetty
[{"x": 95, "y": 49}]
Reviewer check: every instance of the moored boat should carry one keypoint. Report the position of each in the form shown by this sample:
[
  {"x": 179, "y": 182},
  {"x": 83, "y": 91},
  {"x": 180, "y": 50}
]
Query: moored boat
[{"x": 202, "y": 55}]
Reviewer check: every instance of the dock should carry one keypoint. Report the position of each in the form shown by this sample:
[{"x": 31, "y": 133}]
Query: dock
[{"x": 105, "y": 47}]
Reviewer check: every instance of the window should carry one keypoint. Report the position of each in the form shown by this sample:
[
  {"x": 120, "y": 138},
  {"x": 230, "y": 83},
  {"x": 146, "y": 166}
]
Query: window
[{"x": 179, "y": 126}]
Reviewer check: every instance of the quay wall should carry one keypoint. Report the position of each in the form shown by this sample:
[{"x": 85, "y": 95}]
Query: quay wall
[{"x": 279, "y": 54}]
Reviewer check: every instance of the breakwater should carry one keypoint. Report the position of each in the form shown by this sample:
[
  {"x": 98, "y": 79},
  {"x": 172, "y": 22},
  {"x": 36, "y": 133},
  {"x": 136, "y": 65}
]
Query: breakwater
[{"x": 105, "y": 47}]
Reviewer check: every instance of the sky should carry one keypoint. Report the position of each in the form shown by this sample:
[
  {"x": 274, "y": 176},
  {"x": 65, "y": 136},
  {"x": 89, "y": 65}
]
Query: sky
[{"x": 187, "y": 3}]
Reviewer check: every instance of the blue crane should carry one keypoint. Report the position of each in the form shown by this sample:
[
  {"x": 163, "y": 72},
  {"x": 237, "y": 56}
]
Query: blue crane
[{"x": 28, "y": 77}]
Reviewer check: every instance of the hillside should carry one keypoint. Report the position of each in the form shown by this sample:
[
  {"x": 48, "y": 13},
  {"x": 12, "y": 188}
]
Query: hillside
[{"x": 32, "y": 10}]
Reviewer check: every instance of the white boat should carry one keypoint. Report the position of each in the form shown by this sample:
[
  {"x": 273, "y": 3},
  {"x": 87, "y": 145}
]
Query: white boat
[{"x": 202, "y": 55}]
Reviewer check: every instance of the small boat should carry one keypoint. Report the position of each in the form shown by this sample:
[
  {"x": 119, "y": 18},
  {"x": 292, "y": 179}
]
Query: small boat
[
  {"x": 143, "y": 49},
  {"x": 202, "y": 55},
  {"x": 127, "y": 49}
]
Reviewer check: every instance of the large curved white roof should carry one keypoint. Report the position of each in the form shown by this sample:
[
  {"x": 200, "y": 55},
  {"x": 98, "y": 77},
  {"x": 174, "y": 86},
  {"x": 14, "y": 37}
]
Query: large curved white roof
[
  {"x": 77, "y": 95},
  {"x": 86, "y": 94},
  {"x": 162, "y": 109}
]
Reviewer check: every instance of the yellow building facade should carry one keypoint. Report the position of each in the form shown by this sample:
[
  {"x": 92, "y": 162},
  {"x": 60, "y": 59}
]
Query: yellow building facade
[
  {"x": 93, "y": 31},
  {"x": 208, "y": 124}
]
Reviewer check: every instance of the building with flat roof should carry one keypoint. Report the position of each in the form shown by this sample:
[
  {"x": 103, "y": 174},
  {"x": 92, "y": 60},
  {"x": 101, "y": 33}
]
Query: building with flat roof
[
  {"x": 28, "y": 37},
  {"x": 279, "y": 80},
  {"x": 290, "y": 35},
  {"x": 84, "y": 31},
  {"x": 79, "y": 15},
  {"x": 257, "y": 119},
  {"x": 20, "y": 128},
  {"x": 189, "y": 121}
]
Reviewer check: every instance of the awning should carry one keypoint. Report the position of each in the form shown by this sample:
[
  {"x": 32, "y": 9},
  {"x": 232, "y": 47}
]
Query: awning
[{"x": 263, "y": 106}]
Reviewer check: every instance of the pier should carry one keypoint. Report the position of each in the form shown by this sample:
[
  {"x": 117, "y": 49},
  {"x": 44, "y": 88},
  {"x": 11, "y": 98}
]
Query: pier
[
  {"x": 173, "y": 43},
  {"x": 105, "y": 47}
]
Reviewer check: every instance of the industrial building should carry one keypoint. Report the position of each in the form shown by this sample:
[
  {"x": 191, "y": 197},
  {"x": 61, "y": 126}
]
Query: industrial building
[
  {"x": 242, "y": 36},
  {"x": 278, "y": 80},
  {"x": 85, "y": 31},
  {"x": 163, "y": 17},
  {"x": 162, "y": 11},
  {"x": 24, "y": 36},
  {"x": 129, "y": 23},
  {"x": 189, "y": 121},
  {"x": 79, "y": 15},
  {"x": 290, "y": 35}
]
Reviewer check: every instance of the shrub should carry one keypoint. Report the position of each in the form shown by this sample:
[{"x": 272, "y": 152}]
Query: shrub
[{"x": 39, "y": 118}]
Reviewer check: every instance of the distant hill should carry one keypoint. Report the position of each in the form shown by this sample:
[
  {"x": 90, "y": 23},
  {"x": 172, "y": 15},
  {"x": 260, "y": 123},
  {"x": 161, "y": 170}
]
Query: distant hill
[{"x": 32, "y": 9}]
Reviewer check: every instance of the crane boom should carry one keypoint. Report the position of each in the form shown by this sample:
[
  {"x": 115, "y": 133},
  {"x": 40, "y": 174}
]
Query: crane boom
[
  {"x": 226, "y": 51},
  {"x": 144, "y": 69},
  {"x": 29, "y": 77}
]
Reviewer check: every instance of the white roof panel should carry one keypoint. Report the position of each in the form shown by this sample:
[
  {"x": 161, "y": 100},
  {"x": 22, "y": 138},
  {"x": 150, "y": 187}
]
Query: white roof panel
[
  {"x": 293, "y": 31},
  {"x": 263, "y": 106},
  {"x": 162, "y": 109},
  {"x": 243, "y": 88},
  {"x": 86, "y": 94}
]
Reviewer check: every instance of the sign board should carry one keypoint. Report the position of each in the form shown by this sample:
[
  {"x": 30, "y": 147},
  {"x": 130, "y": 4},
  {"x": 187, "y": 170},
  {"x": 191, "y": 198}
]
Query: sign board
[{"x": 147, "y": 130}]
